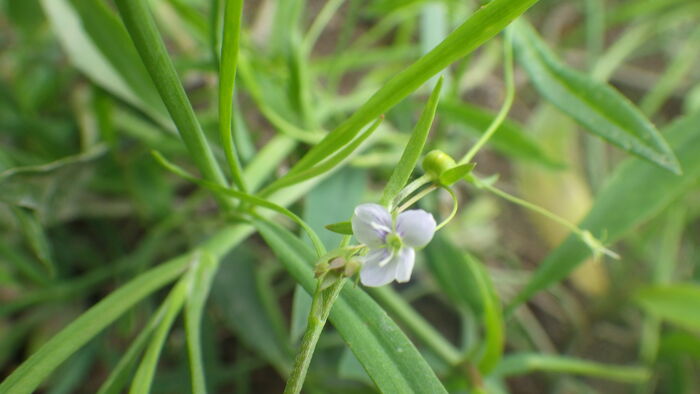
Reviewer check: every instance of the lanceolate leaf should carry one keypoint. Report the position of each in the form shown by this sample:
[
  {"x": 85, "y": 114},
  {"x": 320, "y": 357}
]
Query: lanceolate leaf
[
  {"x": 414, "y": 148},
  {"x": 678, "y": 303},
  {"x": 390, "y": 359},
  {"x": 27, "y": 377},
  {"x": 597, "y": 106},
  {"x": 635, "y": 192}
]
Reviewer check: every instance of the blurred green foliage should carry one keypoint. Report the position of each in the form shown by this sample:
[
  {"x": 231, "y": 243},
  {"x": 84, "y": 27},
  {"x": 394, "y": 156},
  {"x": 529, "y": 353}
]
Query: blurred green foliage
[{"x": 116, "y": 273}]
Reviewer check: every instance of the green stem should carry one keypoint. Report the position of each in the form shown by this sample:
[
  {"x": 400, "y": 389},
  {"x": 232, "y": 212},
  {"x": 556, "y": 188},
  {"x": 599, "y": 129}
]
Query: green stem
[
  {"x": 245, "y": 197},
  {"x": 455, "y": 207},
  {"x": 410, "y": 189},
  {"x": 417, "y": 197},
  {"x": 507, "y": 102},
  {"x": 320, "y": 309},
  {"x": 587, "y": 237}
]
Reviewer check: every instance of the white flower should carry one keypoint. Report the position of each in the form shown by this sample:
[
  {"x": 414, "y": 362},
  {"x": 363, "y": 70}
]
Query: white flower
[{"x": 391, "y": 243}]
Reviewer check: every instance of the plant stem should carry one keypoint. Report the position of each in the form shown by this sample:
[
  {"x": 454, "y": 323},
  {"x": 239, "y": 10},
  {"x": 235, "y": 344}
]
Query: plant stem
[
  {"x": 320, "y": 309},
  {"x": 409, "y": 189},
  {"x": 507, "y": 102}
]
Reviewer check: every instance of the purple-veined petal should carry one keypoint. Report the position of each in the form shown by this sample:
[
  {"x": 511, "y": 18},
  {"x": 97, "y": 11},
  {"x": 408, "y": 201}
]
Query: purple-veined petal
[
  {"x": 370, "y": 224},
  {"x": 406, "y": 260},
  {"x": 415, "y": 227},
  {"x": 379, "y": 268}
]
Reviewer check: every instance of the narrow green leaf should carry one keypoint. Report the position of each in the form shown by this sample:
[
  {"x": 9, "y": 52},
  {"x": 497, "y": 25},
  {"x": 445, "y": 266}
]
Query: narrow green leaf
[
  {"x": 481, "y": 26},
  {"x": 119, "y": 377},
  {"x": 595, "y": 105},
  {"x": 678, "y": 303},
  {"x": 633, "y": 194},
  {"x": 144, "y": 33},
  {"x": 33, "y": 371},
  {"x": 510, "y": 138},
  {"x": 519, "y": 364},
  {"x": 198, "y": 291},
  {"x": 340, "y": 228},
  {"x": 27, "y": 377},
  {"x": 144, "y": 374},
  {"x": 227, "y": 78},
  {"x": 414, "y": 147},
  {"x": 326, "y": 165},
  {"x": 387, "y": 355}
]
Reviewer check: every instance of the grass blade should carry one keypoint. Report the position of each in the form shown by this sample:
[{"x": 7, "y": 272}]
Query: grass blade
[
  {"x": 144, "y": 33},
  {"x": 199, "y": 286},
  {"x": 144, "y": 374},
  {"x": 596, "y": 106},
  {"x": 414, "y": 148},
  {"x": 27, "y": 377},
  {"x": 227, "y": 79},
  {"x": 118, "y": 378}
]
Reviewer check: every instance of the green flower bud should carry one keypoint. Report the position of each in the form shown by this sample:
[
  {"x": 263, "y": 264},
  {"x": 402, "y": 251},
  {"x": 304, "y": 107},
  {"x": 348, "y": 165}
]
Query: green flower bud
[{"x": 436, "y": 162}]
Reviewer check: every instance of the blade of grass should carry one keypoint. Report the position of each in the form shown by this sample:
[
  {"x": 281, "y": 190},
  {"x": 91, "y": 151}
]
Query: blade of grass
[
  {"x": 119, "y": 377},
  {"x": 227, "y": 79},
  {"x": 198, "y": 291},
  {"x": 144, "y": 374},
  {"x": 27, "y": 377},
  {"x": 324, "y": 166},
  {"x": 412, "y": 152},
  {"x": 597, "y": 106},
  {"x": 144, "y": 33}
]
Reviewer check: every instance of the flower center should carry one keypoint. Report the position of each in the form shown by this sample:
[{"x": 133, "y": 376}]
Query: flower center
[{"x": 393, "y": 241}]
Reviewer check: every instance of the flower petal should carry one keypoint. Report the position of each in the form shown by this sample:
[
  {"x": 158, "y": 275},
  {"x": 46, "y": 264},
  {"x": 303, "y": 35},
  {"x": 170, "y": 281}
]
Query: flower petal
[
  {"x": 376, "y": 271},
  {"x": 370, "y": 224},
  {"x": 407, "y": 258},
  {"x": 415, "y": 227}
]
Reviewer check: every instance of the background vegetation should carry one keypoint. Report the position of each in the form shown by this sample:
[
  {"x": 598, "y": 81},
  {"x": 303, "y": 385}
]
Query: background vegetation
[{"x": 117, "y": 273}]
